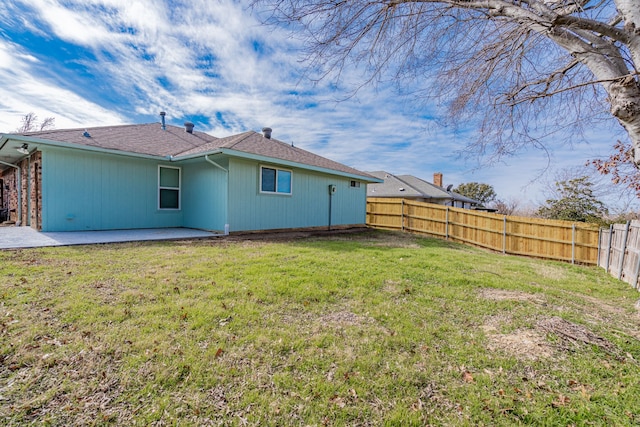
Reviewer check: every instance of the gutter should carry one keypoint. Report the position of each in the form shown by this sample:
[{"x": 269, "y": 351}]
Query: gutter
[
  {"x": 19, "y": 185},
  {"x": 206, "y": 157}
]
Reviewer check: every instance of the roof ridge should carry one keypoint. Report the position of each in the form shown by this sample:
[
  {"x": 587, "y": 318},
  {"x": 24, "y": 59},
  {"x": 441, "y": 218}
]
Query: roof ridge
[
  {"x": 80, "y": 129},
  {"x": 237, "y": 138},
  {"x": 181, "y": 136},
  {"x": 408, "y": 184}
]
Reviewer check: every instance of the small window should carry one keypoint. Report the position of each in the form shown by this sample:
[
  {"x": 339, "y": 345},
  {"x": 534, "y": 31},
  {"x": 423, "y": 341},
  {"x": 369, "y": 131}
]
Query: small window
[
  {"x": 168, "y": 187},
  {"x": 355, "y": 184},
  {"x": 274, "y": 180}
]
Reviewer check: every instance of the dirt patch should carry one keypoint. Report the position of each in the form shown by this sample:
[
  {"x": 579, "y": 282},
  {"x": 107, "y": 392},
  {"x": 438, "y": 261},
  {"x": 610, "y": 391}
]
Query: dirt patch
[
  {"x": 505, "y": 295},
  {"x": 534, "y": 343},
  {"x": 345, "y": 318},
  {"x": 523, "y": 344},
  {"x": 336, "y": 319},
  {"x": 573, "y": 335}
]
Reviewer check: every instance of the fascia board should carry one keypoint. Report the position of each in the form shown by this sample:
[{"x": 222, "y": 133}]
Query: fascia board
[
  {"x": 60, "y": 144},
  {"x": 273, "y": 160}
]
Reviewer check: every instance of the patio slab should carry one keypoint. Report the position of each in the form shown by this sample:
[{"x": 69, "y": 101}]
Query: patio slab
[{"x": 27, "y": 237}]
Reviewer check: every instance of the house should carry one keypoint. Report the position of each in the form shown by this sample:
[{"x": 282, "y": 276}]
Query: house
[
  {"x": 413, "y": 188},
  {"x": 156, "y": 175}
]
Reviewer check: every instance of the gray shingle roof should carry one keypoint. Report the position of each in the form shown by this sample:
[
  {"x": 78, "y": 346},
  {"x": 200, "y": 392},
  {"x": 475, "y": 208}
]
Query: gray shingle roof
[
  {"x": 391, "y": 187},
  {"x": 151, "y": 139},
  {"x": 255, "y": 143},
  {"x": 428, "y": 189},
  {"x": 409, "y": 186},
  {"x": 147, "y": 138}
]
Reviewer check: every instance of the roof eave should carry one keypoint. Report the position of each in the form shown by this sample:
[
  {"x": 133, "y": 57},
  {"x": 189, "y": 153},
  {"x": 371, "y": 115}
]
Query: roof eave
[
  {"x": 60, "y": 144},
  {"x": 260, "y": 158}
]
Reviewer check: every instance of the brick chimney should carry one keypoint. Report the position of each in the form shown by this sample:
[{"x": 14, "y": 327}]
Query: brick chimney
[{"x": 437, "y": 179}]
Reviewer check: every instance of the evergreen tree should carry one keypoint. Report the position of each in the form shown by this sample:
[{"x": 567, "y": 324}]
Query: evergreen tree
[
  {"x": 575, "y": 202},
  {"x": 484, "y": 193}
]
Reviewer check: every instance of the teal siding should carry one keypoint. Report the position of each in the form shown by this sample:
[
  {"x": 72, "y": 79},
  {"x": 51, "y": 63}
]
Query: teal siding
[
  {"x": 94, "y": 191},
  {"x": 204, "y": 195},
  {"x": 308, "y": 206},
  {"x": 83, "y": 190}
]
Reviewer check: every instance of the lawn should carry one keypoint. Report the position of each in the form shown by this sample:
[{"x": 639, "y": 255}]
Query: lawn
[{"x": 373, "y": 328}]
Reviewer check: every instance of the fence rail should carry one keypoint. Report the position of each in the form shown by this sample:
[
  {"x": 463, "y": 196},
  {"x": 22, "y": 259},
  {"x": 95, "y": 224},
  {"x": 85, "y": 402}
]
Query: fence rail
[{"x": 539, "y": 238}]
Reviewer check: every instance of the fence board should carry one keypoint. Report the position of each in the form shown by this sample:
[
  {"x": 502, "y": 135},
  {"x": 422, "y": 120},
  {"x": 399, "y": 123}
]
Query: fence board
[
  {"x": 619, "y": 252},
  {"x": 534, "y": 237}
]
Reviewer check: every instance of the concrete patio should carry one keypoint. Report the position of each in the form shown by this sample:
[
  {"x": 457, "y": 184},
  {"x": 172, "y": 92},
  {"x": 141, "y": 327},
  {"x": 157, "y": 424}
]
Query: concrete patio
[{"x": 12, "y": 237}]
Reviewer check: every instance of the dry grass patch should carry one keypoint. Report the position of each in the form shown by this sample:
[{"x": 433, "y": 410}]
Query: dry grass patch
[
  {"x": 509, "y": 295},
  {"x": 572, "y": 335},
  {"x": 549, "y": 271},
  {"x": 523, "y": 344}
]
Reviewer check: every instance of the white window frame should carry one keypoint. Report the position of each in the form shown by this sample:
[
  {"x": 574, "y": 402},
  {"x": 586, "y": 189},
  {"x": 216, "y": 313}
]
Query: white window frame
[
  {"x": 354, "y": 183},
  {"x": 178, "y": 188},
  {"x": 277, "y": 169}
]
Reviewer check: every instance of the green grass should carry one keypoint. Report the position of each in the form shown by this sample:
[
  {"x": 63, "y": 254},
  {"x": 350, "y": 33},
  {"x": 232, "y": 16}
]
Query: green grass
[{"x": 375, "y": 328}]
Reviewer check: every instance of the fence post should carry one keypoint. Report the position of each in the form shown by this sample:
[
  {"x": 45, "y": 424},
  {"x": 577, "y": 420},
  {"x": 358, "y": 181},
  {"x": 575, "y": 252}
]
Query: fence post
[
  {"x": 573, "y": 243},
  {"x": 599, "y": 243},
  {"x": 609, "y": 248},
  {"x": 636, "y": 273},
  {"x": 446, "y": 224},
  {"x": 402, "y": 214},
  {"x": 504, "y": 234},
  {"x": 624, "y": 249}
]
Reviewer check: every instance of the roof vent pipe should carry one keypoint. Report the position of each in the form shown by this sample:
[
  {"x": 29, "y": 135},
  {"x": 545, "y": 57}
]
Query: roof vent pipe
[
  {"x": 266, "y": 132},
  {"x": 162, "y": 114},
  {"x": 188, "y": 127}
]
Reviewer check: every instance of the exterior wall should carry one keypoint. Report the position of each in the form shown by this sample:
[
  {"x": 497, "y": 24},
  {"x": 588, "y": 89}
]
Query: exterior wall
[
  {"x": 204, "y": 194},
  {"x": 83, "y": 190},
  {"x": 33, "y": 196},
  {"x": 73, "y": 190},
  {"x": 307, "y": 206}
]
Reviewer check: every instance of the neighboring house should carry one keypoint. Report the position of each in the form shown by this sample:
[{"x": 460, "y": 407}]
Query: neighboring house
[
  {"x": 152, "y": 175},
  {"x": 413, "y": 188}
]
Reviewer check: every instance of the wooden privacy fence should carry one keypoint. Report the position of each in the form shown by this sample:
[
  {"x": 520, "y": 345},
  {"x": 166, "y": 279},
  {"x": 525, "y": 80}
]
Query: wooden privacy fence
[
  {"x": 619, "y": 252},
  {"x": 539, "y": 238}
]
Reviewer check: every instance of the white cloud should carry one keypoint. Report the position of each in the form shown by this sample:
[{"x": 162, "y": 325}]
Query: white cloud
[
  {"x": 201, "y": 57},
  {"x": 22, "y": 91}
]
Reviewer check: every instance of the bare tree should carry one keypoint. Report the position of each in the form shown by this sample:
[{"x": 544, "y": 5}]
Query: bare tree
[
  {"x": 30, "y": 123},
  {"x": 506, "y": 207},
  {"x": 533, "y": 68}
]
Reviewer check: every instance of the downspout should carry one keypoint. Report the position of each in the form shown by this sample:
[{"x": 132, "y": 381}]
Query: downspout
[
  {"x": 226, "y": 225},
  {"x": 29, "y": 190},
  {"x": 19, "y": 185}
]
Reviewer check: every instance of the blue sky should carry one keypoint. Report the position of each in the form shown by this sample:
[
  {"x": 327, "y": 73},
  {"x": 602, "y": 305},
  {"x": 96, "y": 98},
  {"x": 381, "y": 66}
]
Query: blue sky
[{"x": 91, "y": 63}]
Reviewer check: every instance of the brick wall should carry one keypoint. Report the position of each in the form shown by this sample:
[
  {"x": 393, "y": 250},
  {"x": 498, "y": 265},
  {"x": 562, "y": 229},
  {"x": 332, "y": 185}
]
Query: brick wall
[{"x": 31, "y": 184}]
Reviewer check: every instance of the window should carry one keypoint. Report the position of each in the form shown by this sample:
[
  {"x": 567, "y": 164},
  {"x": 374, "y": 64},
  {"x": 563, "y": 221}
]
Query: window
[
  {"x": 168, "y": 187},
  {"x": 355, "y": 184},
  {"x": 274, "y": 180}
]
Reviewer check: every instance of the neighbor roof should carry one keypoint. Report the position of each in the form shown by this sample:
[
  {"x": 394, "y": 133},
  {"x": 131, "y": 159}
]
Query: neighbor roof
[
  {"x": 404, "y": 186},
  {"x": 409, "y": 186},
  {"x": 428, "y": 189},
  {"x": 391, "y": 187}
]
